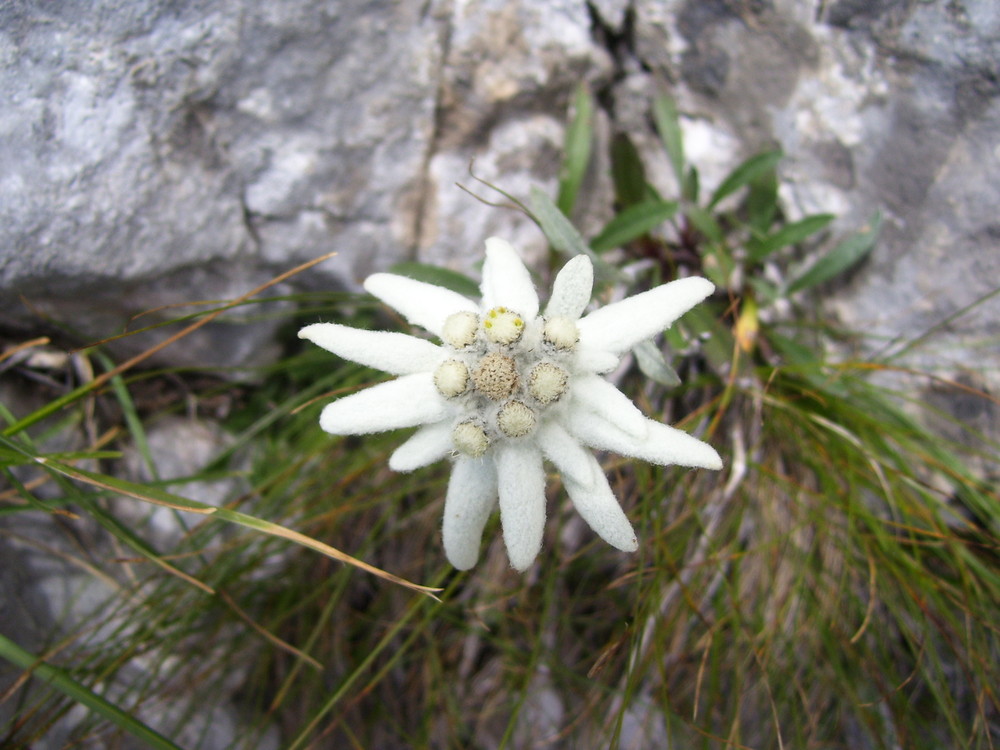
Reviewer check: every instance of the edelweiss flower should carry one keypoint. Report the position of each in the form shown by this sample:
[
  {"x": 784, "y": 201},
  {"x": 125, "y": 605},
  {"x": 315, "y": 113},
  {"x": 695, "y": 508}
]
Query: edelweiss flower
[{"x": 507, "y": 388}]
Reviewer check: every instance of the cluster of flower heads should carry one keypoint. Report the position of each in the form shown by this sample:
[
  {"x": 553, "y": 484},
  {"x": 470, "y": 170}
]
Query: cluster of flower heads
[{"x": 507, "y": 388}]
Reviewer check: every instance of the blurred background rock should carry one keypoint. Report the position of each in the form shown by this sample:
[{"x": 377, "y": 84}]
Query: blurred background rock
[{"x": 158, "y": 152}]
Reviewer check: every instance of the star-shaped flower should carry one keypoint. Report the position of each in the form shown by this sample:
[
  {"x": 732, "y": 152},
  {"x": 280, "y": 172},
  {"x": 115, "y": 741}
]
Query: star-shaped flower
[{"x": 507, "y": 388}]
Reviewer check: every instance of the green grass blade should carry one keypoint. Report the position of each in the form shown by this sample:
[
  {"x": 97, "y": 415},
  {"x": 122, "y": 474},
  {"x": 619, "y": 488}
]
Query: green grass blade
[
  {"x": 62, "y": 681},
  {"x": 48, "y": 409},
  {"x": 388, "y": 639},
  {"x": 131, "y": 415},
  {"x": 744, "y": 174},
  {"x": 838, "y": 260},
  {"x": 157, "y": 496},
  {"x": 14, "y": 458},
  {"x": 579, "y": 136}
]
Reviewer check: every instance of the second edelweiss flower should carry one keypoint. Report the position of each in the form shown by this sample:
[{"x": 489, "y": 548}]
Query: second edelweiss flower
[{"x": 507, "y": 388}]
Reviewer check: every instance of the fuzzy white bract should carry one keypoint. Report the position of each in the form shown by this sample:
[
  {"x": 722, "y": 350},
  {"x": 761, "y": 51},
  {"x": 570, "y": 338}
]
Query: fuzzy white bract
[{"x": 507, "y": 388}]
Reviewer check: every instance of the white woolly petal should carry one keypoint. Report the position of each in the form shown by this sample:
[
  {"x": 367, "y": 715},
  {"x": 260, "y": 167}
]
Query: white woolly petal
[
  {"x": 565, "y": 453},
  {"x": 595, "y": 360},
  {"x": 472, "y": 495},
  {"x": 506, "y": 281},
  {"x": 571, "y": 289},
  {"x": 425, "y": 446},
  {"x": 662, "y": 445},
  {"x": 424, "y": 305},
  {"x": 521, "y": 485},
  {"x": 620, "y": 326},
  {"x": 394, "y": 353},
  {"x": 405, "y": 402},
  {"x": 599, "y": 507},
  {"x": 598, "y": 395}
]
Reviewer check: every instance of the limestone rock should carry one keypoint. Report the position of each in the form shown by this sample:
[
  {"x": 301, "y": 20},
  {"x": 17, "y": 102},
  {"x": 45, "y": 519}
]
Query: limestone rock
[
  {"x": 156, "y": 153},
  {"x": 144, "y": 140}
]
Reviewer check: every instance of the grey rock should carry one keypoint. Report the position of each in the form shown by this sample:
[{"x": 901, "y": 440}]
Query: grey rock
[
  {"x": 155, "y": 153},
  {"x": 508, "y": 76},
  {"x": 151, "y": 139},
  {"x": 888, "y": 105}
]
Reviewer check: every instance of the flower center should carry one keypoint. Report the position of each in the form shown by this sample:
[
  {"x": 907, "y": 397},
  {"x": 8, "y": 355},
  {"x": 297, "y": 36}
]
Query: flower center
[
  {"x": 547, "y": 382},
  {"x": 451, "y": 378},
  {"x": 496, "y": 377},
  {"x": 502, "y": 326},
  {"x": 503, "y": 374},
  {"x": 460, "y": 329}
]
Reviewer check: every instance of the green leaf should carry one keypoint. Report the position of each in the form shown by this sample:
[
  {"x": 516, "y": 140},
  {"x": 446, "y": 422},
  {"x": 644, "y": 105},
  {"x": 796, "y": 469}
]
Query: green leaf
[
  {"x": 717, "y": 339},
  {"x": 558, "y": 230},
  {"x": 579, "y": 136},
  {"x": 62, "y": 681},
  {"x": 766, "y": 292},
  {"x": 790, "y": 234},
  {"x": 564, "y": 237},
  {"x": 691, "y": 187},
  {"x": 717, "y": 260},
  {"x": 705, "y": 223},
  {"x": 633, "y": 222},
  {"x": 744, "y": 174},
  {"x": 654, "y": 365},
  {"x": 842, "y": 257},
  {"x": 762, "y": 201},
  {"x": 438, "y": 276},
  {"x": 669, "y": 127},
  {"x": 627, "y": 172}
]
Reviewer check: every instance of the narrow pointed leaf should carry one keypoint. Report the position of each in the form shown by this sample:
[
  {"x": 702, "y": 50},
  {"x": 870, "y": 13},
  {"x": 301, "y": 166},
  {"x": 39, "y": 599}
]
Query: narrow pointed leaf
[
  {"x": 842, "y": 257},
  {"x": 788, "y": 235},
  {"x": 762, "y": 201},
  {"x": 705, "y": 223},
  {"x": 579, "y": 136},
  {"x": 61, "y": 680},
  {"x": 654, "y": 365},
  {"x": 744, "y": 174},
  {"x": 627, "y": 172},
  {"x": 669, "y": 127},
  {"x": 691, "y": 188},
  {"x": 633, "y": 223},
  {"x": 564, "y": 237}
]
